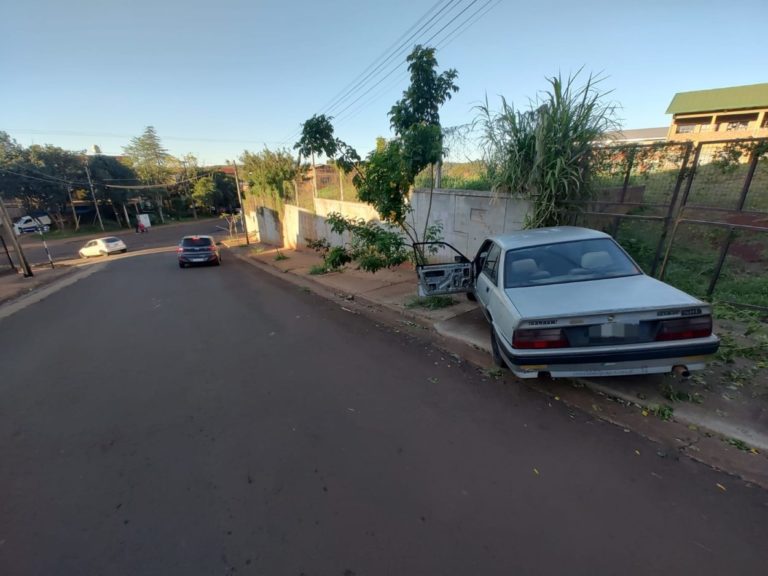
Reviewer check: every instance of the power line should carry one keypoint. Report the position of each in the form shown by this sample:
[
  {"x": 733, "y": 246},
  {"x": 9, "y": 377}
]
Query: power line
[
  {"x": 392, "y": 46},
  {"x": 400, "y": 50},
  {"x": 403, "y": 46},
  {"x": 450, "y": 37},
  {"x": 429, "y": 40}
]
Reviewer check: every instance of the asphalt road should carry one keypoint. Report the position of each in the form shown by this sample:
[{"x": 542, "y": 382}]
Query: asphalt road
[
  {"x": 159, "y": 421},
  {"x": 66, "y": 248}
]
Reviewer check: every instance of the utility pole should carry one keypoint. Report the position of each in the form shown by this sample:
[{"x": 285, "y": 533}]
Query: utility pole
[
  {"x": 15, "y": 241},
  {"x": 93, "y": 194},
  {"x": 186, "y": 188},
  {"x": 242, "y": 208},
  {"x": 72, "y": 205}
]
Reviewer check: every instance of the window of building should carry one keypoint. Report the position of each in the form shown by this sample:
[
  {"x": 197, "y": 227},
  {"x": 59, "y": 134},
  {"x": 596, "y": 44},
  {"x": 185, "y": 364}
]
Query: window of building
[{"x": 735, "y": 122}]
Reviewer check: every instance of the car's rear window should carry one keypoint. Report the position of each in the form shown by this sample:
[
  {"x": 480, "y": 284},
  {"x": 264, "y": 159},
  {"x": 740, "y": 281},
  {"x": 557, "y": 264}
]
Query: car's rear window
[
  {"x": 566, "y": 262},
  {"x": 112, "y": 239},
  {"x": 196, "y": 242}
]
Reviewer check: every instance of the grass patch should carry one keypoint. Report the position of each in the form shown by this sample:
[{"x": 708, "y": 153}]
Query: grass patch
[
  {"x": 318, "y": 269},
  {"x": 280, "y": 256},
  {"x": 663, "y": 412},
  {"x": 430, "y": 302}
]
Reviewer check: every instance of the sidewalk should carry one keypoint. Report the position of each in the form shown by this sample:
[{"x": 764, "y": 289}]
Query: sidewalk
[
  {"x": 711, "y": 413},
  {"x": 14, "y": 285}
]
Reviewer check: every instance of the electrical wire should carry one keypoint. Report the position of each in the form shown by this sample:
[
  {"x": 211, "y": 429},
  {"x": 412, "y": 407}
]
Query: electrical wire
[
  {"x": 450, "y": 37},
  {"x": 404, "y": 46}
]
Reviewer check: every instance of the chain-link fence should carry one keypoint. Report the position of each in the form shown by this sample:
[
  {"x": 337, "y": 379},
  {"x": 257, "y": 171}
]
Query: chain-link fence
[{"x": 694, "y": 215}]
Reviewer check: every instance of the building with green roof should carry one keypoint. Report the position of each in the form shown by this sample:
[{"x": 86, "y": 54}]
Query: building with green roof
[{"x": 719, "y": 114}]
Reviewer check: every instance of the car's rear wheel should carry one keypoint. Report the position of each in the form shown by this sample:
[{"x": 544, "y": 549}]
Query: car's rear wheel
[
  {"x": 471, "y": 296},
  {"x": 182, "y": 265},
  {"x": 495, "y": 352},
  {"x": 218, "y": 262},
  {"x": 124, "y": 250}
]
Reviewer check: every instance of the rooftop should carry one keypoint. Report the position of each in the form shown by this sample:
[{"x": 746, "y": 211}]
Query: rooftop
[{"x": 719, "y": 99}]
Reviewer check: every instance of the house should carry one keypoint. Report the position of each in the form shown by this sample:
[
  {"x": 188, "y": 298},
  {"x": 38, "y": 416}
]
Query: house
[
  {"x": 719, "y": 114},
  {"x": 638, "y": 136}
]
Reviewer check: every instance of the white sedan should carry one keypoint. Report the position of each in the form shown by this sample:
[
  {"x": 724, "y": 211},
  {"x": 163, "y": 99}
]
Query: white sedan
[
  {"x": 570, "y": 302},
  {"x": 102, "y": 247}
]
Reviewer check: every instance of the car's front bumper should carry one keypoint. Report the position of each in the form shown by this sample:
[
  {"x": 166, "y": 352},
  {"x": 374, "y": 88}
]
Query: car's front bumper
[{"x": 654, "y": 358}]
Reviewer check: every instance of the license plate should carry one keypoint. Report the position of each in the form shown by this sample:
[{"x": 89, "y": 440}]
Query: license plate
[
  {"x": 198, "y": 259},
  {"x": 614, "y": 330}
]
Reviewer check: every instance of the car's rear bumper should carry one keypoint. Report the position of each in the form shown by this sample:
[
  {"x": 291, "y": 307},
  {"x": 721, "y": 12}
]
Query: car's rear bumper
[
  {"x": 198, "y": 258},
  {"x": 571, "y": 362}
]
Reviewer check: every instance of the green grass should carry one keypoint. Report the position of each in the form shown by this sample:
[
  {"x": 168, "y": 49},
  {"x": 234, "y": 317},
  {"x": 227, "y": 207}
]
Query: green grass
[
  {"x": 693, "y": 260},
  {"x": 430, "y": 302},
  {"x": 318, "y": 270},
  {"x": 280, "y": 256}
]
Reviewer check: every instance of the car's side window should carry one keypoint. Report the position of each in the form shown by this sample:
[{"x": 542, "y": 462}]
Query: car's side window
[{"x": 491, "y": 264}]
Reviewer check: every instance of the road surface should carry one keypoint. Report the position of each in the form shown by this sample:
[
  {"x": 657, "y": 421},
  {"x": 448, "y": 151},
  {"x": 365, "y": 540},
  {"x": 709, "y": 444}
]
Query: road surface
[
  {"x": 66, "y": 248},
  {"x": 159, "y": 421}
]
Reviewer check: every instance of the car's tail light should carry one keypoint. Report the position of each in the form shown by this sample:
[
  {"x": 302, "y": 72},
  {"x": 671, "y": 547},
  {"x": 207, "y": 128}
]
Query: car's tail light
[
  {"x": 212, "y": 247},
  {"x": 179, "y": 250},
  {"x": 685, "y": 328},
  {"x": 537, "y": 339}
]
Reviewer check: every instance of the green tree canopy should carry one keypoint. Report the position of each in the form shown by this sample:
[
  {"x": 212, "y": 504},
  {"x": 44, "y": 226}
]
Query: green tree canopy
[{"x": 268, "y": 170}]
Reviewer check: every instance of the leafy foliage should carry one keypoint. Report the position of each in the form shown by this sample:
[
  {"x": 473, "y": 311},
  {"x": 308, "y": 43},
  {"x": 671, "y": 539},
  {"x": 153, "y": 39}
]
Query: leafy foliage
[
  {"x": 372, "y": 245},
  {"x": 544, "y": 153},
  {"x": 148, "y": 158},
  {"x": 317, "y": 138},
  {"x": 267, "y": 171}
]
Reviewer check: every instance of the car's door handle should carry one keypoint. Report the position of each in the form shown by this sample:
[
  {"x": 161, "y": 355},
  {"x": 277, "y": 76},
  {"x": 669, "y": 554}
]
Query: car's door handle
[{"x": 487, "y": 288}]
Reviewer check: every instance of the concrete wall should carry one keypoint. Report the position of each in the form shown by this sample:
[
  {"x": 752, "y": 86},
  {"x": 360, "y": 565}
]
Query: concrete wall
[
  {"x": 324, "y": 207},
  {"x": 300, "y": 225},
  {"x": 469, "y": 216}
]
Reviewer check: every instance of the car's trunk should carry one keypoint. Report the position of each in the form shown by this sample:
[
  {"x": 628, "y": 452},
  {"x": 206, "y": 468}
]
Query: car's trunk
[{"x": 613, "y": 311}]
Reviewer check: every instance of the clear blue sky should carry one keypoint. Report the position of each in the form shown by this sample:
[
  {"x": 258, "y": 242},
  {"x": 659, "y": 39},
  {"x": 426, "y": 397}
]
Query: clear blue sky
[{"x": 215, "y": 78}]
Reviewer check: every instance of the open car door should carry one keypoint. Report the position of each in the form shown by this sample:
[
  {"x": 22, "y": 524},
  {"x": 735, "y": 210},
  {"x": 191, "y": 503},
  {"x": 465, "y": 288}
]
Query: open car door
[{"x": 452, "y": 272}]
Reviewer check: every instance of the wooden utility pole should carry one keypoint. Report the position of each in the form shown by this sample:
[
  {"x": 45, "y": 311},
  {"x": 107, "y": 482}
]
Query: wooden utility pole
[
  {"x": 242, "y": 208},
  {"x": 93, "y": 194},
  {"x": 74, "y": 212},
  {"x": 15, "y": 241}
]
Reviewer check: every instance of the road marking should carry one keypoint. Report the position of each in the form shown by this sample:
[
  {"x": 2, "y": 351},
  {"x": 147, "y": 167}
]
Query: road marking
[{"x": 42, "y": 293}]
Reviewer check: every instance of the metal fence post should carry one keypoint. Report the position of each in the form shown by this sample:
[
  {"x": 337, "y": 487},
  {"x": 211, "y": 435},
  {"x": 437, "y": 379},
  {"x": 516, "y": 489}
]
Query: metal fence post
[
  {"x": 630, "y": 162},
  {"x": 680, "y": 211},
  {"x": 672, "y": 209},
  {"x": 732, "y": 231}
]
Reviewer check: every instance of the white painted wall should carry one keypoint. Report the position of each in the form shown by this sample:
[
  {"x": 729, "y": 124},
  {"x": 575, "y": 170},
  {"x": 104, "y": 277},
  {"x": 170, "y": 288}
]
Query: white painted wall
[{"x": 467, "y": 216}]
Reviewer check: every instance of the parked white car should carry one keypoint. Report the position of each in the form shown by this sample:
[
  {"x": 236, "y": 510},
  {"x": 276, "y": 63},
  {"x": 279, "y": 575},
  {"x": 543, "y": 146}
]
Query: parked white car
[
  {"x": 29, "y": 224},
  {"x": 571, "y": 302},
  {"x": 102, "y": 247}
]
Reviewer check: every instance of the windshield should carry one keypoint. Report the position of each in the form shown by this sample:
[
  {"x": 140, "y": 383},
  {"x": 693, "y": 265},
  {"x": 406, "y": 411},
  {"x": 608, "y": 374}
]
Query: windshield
[
  {"x": 196, "y": 242},
  {"x": 566, "y": 262}
]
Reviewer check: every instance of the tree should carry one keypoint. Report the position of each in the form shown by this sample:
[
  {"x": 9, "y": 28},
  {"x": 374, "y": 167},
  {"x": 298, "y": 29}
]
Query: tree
[
  {"x": 205, "y": 194},
  {"x": 267, "y": 171},
  {"x": 546, "y": 152},
  {"x": 152, "y": 164},
  {"x": 108, "y": 173},
  {"x": 317, "y": 138},
  {"x": 386, "y": 177}
]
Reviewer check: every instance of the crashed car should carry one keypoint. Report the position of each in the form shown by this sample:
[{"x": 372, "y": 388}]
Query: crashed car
[{"x": 570, "y": 301}]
